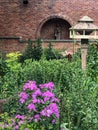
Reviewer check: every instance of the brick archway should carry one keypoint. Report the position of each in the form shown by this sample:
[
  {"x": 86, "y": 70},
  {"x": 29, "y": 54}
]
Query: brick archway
[{"x": 46, "y": 29}]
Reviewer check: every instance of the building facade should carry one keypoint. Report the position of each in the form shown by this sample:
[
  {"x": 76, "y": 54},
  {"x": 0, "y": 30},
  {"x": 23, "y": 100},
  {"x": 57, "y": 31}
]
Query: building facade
[{"x": 45, "y": 19}]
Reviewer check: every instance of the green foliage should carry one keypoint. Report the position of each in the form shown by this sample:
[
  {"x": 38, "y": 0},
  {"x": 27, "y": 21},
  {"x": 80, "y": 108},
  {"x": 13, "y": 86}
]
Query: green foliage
[
  {"x": 37, "y": 50},
  {"x": 51, "y": 53},
  {"x": 77, "y": 90},
  {"x": 79, "y": 103},
  {"x": 10, "y": 81},
  {"x": 12, "y": 61},
  {"x": 93, "y": 62},
  {"x": 7, "y": 122},
  {"x": 28, "y": 53},
  {"x": 3, "y": 66},
  {"x": 33, "y": 51}
]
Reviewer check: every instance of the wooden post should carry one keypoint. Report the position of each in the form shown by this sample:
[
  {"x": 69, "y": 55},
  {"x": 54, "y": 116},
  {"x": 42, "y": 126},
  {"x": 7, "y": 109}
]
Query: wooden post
[
  {"x": 84, "y": 48},
  {"x": 84, "y": 56}
]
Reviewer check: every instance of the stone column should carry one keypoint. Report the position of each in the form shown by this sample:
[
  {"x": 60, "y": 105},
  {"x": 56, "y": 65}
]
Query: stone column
[{"x": 84, "y": 49}]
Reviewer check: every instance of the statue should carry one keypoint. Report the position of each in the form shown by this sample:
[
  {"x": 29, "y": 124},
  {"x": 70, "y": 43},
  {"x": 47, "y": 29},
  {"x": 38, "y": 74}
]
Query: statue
[{"x": 57, "y": 32}]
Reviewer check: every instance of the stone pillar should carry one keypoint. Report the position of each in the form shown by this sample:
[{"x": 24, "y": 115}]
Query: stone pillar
[{"x": 84, "y": 49}]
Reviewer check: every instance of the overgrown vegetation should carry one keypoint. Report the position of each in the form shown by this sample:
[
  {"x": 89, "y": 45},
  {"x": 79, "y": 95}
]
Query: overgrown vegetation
[
  {"x": 33, "y": 51},
  {"x": 76, "y": 89}
]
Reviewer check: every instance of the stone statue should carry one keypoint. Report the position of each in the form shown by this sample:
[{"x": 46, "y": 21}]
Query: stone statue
[{"x": 57, "y": 32}]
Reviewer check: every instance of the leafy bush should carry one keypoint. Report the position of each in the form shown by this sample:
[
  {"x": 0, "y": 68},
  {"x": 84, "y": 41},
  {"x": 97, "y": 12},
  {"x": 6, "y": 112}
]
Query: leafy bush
[
  {"x": 76, "y": 89},
  {"x": 51, "y": 53},
  {"x": 33, "y": 51},
  {"x": 9, "y": 123},
  {"x": 93, "y": 62},
  {"x": 10, "y": 81},
  {"x": 3, "y": 66},
  {"x": 38, "y": 104}
]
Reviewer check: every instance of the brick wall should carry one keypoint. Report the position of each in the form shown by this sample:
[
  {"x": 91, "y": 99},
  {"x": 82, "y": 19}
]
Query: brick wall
[{"x": 17, "y": 19}]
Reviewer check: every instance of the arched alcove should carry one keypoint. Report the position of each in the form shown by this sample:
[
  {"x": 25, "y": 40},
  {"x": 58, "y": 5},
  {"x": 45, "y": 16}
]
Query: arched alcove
[{"x": 55, "y": 28}]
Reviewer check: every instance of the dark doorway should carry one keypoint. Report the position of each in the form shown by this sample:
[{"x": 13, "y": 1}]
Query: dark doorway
[{"x": 55, "y": 28}]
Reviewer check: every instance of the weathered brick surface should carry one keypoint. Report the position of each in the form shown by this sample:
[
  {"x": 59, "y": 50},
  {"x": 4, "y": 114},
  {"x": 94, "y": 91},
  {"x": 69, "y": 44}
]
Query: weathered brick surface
[{"x": 17, "y": 19}]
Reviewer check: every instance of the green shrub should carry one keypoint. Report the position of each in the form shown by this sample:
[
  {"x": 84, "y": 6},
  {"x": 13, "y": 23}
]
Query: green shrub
[
  {"x": 93, "y": 62},
  {"x": 3, "y": 66},
  {"x": 51, "y": 53},
  {"x": 33, "y": 51},
  {"x": 11, "y": 80},
  {"x": 77, "y": 90}
]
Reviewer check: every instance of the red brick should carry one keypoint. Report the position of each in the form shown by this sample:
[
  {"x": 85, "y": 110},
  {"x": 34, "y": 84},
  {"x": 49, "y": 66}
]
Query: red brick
[{"x": 17, "y": 19}]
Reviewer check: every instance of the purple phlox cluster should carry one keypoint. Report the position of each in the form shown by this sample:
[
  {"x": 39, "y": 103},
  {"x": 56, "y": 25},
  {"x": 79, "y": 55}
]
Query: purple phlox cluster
[
  {"x": 53, "y": 121},
  {"x": 36, "y": 96},
  {"x": 20, "y": 122},
  {"x": 36, "y": 93},
  {"x": 31, "y": 107},
  {"x": 40, "y": 100},
  {"x": 55, "y": 100},
  {"x": 47, "y": 95},
  {"x": 49, "y": 110},
  {"x": 31, "y": 85},
  {"x": 54, "y": 108},
  {"x": 31, "y": 118},
  {"x": 49, "y": 86},
  {"x": 46, "y": 112},
  {"x": 26, "y": 129},
  {"x": 23, "y": 96},
  {"x": 36, "y": 117},
  {"x": 16, "y": 127},
  {"x": 20, "y": 117}
]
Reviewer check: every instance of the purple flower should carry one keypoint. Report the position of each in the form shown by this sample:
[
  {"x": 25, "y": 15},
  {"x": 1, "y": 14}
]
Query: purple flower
[
  {"x": 26, "y": 129},
  {"x": 16, "y": 127},
  {"x": 37, "y": 93},
  {"x": 63, "y": 129},
  {"x": 31, "y": 106},
  {"x": 24, "y": 95},
  {"x": 34, "y": 100},
  {"x": 37, "y": 117},
  {"x": 20, "y": 117},
  {"x": 53, "y": 121},
  {"x": 54, "y": 108},
  {"x": 49, "y": 110},
  {"x": 40, "y": 100},
  {"x": 55, "y": 100},
  {"x": 49, "y": 86},
  {"x": 20, "y": 122},
  {"x": 31, "y": 85},
  {"x": 31, "y": 118},
  {"x": 46, "y": 112},
  {"x": 48, "y": 94},
  {"x": 22, "y": 100}
]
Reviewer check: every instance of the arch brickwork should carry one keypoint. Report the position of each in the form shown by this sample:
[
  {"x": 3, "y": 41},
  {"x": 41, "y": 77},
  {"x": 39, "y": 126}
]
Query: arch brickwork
[
  {"x": 64, "y": 18},
  {"x": 21, "y": 20}
]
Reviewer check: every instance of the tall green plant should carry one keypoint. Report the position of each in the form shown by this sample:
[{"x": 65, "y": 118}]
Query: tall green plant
[
  {"x": 11, "y": 80},
  {"x": 37, "y": 49},
  {"x": 3, "y": 66},
  {"x": 51, "y": 53},
  {"x": 33, "y": 51},
  {"x": 93, "y": 62}
]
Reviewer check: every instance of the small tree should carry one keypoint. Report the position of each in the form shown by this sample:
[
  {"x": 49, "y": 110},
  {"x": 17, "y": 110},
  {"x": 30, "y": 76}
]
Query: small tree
[
  {"x": 33, "y": 51},
  {"x": 37, "y": 50},
  {"x": 51, "y": 53}
]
